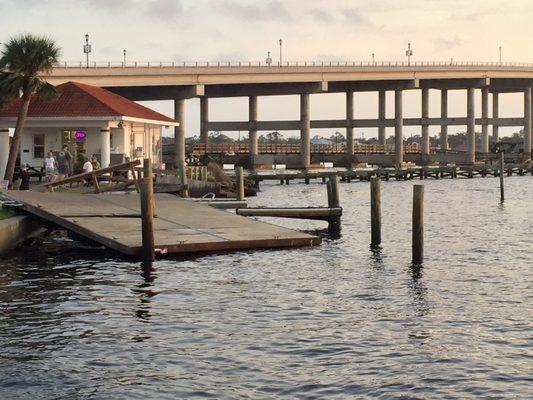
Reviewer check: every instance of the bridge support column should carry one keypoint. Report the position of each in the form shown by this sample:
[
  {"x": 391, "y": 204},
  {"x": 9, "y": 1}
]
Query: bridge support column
[
  {"x": 179, "y": 131},
  {"x": 105, "y": 147},
  {"x": 252, "y": 133},
  {"x": 527, "y": 122},
  {"x": 382, "y": 138},
  {"x": 349, "y": 127},
  {"x": 443, "y": 115},
  {"x": 471, "y": 126},
  {"x": 204, "y": 120},
  {"x": 398, "y": 128},
  {"x": 425, "y": 126},
  {"x": 495, "y": 116},
  {"x": 4, "y": 151},
  {"x": 305, "y": 127},
  {"x": 484, "y": 117}
]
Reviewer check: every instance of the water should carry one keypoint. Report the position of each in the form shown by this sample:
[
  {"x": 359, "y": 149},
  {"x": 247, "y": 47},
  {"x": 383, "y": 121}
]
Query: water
[{"x": 334, "y": 321}]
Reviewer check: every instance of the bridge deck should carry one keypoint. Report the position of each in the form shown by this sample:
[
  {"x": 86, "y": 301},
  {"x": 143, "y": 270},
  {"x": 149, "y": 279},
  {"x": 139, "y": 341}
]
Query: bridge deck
[{"x": 180, "y": 225}]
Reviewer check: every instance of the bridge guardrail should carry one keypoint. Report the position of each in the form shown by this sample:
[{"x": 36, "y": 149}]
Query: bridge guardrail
[{"x": 288, "y": 64}]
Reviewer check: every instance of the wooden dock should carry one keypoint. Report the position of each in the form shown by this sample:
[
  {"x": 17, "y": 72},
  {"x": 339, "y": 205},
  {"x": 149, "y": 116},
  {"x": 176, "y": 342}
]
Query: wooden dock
[
  {"x": 405, "y": 173},
  {"x": 180, "y": 225}
]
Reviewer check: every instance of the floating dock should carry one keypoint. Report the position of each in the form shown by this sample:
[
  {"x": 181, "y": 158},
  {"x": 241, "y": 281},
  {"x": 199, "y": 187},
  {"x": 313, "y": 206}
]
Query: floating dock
[{"x": 180, "y": 226}]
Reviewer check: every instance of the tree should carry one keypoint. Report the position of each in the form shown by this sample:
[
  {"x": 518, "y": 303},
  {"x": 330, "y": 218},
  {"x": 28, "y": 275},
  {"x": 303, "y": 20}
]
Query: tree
[
  {"x": 337, "y": 137},
  {"x": 25, "y": 60},
  {"x": 274, "y": 136}
]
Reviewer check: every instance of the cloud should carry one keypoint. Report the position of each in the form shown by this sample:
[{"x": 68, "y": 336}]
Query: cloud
[
  {"x": 264, "y": 11},
  {"x": 164, "y": 9},
  {"x": 447, "y": 43},
  {"x": 354, "y": 16},
  {"x": 321, "y": 15}
]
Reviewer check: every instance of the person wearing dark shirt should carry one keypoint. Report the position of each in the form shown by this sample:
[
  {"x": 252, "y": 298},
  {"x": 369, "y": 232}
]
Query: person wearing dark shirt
[{"x": 24, "y": 178}]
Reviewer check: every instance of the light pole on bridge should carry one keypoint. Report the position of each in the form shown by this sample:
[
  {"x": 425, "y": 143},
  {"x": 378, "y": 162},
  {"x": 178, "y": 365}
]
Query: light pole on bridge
[
  {"x": 124, "y": 53},
  {"x": 87, "y": 48},
  {"x": 373, "y": 63},
  {"x": 500, "y": 49},
  {"x": 268, "y": 59},
  {"x": 408, "y": 53},
  {"x": 280, "y": 51}
]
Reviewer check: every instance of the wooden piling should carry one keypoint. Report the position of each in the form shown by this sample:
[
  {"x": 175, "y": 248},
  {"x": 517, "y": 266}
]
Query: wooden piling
[
  {"x": 418, "y": 224},
  {"x": 502, "y": 168},
  {"x": 333, "y": 192},
  {"x": 239, "y": 177},
  {"x": 147, "y": 212},
  {"x": 182, "y": 173},
  {"x": 375, "y": 210},
  {"x": 334, "y": 222}
]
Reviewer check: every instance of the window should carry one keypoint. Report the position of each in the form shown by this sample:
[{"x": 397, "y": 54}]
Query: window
[{"x": 38, "y": 145}]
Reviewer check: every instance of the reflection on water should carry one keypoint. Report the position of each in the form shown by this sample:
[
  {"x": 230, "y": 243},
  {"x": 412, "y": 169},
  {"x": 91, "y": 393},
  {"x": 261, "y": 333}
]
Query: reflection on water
[{"x": 340, "y": 320}]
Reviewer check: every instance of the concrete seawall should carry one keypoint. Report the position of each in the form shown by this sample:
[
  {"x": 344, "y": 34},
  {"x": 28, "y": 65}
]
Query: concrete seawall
[{"x": 15, "y": 230}]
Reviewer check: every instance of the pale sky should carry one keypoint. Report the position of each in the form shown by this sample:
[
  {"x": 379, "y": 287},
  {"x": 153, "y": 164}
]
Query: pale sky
[{"x": 244, "y": 30}]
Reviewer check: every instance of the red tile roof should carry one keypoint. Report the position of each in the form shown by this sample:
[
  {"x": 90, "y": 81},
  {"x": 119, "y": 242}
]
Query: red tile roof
[{"x": 80, "y": 100}]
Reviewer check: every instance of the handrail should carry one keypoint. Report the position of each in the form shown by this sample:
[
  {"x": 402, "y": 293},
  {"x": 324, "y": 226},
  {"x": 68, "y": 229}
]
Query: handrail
[
  {"x": 294, "y": 148},
  {"x": 289, "y": 64}
]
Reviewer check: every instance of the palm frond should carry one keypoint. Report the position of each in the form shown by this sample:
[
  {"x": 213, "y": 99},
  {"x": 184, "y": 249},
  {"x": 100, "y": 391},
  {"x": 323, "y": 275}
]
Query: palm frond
[
  {"x": 46, "y": 90},
  {"x": 29, "y": 55},
  {"x": 10, "y": 87}
]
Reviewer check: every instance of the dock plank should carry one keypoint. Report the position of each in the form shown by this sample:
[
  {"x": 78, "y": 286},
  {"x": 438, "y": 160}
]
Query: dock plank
[{"x": 180, "y": 225}]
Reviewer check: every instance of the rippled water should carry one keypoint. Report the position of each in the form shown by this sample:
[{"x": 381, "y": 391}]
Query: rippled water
[{"x": 334, "y": 321}]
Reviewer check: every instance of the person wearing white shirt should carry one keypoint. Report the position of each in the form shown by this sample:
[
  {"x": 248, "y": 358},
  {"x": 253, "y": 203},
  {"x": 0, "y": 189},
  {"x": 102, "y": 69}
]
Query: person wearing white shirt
[
  {"x": 50, "y": 166},
  {"x": 87, "y": 167}
]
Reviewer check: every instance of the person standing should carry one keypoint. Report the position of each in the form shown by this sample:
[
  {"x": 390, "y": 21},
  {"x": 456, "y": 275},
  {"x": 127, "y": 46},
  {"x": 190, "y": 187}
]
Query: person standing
[
  {"x": 64, "y": 161},
  {"x": 50, "y": 167}
]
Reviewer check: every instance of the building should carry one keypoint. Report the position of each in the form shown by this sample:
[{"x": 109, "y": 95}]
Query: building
[{"x": 91, "y": 120}]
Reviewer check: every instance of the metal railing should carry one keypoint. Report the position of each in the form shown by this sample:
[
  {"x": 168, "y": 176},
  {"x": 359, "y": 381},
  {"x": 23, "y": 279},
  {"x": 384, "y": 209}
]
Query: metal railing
[{"x": 288, "y": 64}]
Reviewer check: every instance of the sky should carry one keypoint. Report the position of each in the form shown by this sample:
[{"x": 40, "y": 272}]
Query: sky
[{"x": 321, "y": 30}]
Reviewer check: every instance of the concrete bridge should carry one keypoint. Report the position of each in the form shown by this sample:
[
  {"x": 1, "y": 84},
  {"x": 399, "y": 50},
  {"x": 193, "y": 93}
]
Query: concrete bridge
[{"x": 181, "y": 81}]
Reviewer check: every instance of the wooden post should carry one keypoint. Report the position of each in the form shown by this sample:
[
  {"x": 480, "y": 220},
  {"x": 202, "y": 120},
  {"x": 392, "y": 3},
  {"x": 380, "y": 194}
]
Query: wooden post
[
  {"x": 375, "y": 210},
  {"x": 333, "y": 192},
  {"x": 418, "y": 224},
  {"x": 182, "y": 173},
  {"x": 502, "y": 168},
  {"x": 147, "y": 212},
  {"x": 239, "y": 177},
  {"x": 334, "y": 222}
]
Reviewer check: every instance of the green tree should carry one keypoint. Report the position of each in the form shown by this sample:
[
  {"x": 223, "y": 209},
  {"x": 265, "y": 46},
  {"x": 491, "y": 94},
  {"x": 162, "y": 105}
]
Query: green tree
[
  {"x": 25, "y": 60},
  {"x": 274, "y": 137},
  {"x": 337, "y": 137}
]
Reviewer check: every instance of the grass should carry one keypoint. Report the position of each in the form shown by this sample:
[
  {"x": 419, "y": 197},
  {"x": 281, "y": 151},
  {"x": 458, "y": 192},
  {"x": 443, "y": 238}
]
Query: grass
[{"x": 5, "y": 213}]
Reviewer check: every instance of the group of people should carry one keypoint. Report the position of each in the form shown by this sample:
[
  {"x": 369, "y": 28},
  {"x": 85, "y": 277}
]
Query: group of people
[
  {"x": 56, "y": 167},
  {"x": 60, "y": 166}
]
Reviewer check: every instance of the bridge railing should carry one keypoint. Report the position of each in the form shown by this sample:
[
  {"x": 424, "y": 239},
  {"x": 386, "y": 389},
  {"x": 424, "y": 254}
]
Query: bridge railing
[
  {"x": 288, "y": 64},
  {"x": 294, "y": 148}
]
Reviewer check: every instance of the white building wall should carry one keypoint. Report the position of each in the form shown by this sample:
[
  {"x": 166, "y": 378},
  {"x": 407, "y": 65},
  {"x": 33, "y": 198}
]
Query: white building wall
[{"x": 52, "y": 142}]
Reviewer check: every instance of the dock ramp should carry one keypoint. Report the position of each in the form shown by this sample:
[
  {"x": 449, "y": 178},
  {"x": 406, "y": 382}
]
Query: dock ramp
[{"x": 180, "y": 226}]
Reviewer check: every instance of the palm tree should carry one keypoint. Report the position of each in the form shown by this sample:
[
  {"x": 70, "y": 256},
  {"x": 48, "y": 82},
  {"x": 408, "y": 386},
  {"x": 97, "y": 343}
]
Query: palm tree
[{"x": 25, "y": 60}]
